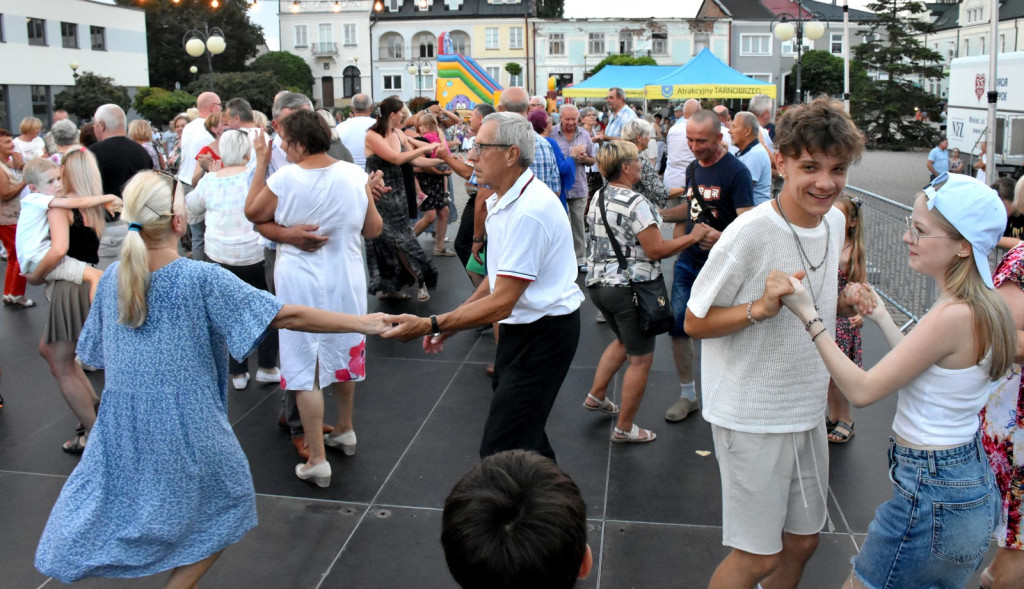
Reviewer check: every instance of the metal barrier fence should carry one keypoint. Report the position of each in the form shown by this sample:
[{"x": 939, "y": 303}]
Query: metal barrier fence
[{"x": 908, "y": 293}]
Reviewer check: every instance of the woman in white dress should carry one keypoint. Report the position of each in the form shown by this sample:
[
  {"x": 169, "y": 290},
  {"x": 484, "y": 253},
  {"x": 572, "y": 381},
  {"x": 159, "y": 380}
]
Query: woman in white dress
[{"x": 318, "y": 190}]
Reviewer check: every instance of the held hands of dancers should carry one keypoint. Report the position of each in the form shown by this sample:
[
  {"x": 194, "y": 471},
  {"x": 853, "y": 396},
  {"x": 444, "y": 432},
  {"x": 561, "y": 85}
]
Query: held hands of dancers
[
  {"x": 375, "y": 185},
  {"x": 859, "y": 296},
  {"x": 408, "y": 327}
]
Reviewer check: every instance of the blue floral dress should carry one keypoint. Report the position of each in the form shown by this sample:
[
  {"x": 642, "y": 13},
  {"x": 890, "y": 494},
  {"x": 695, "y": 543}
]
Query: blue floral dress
[{"x": 163, "y": 481}]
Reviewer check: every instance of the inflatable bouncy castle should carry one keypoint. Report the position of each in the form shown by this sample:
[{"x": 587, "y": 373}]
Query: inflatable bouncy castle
[{"x": 461, "y": 82}]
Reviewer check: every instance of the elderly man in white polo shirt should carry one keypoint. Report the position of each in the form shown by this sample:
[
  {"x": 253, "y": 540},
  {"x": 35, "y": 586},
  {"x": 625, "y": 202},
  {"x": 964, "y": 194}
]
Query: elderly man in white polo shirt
[{"x": 530, "y": 290}]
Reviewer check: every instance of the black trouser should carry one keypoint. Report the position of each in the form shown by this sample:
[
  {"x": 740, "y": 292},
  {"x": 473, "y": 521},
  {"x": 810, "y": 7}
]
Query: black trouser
[
  {"x": 531, "y": 364},
  {"x": 463, "y": 243},
  {"x": 254, "y": 276}
]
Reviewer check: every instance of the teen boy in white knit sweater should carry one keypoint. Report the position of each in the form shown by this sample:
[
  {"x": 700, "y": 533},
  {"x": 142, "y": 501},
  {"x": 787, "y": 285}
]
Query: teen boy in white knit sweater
[{"x": 764, "y": 387}]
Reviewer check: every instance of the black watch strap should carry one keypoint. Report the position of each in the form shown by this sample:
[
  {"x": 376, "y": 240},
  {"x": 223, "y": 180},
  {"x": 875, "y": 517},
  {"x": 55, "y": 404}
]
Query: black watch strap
[{"x": 435, "y": 329}]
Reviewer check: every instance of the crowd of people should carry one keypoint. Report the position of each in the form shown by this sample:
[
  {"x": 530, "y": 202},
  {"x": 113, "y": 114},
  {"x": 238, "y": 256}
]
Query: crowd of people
[{"x": 230, "y": 235}]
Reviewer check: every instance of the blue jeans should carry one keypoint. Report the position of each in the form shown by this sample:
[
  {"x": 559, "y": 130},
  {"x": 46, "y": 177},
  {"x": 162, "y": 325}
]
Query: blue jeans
[
  {"x": 936, "y": 528},
  {"x": 683, "y": 278}
]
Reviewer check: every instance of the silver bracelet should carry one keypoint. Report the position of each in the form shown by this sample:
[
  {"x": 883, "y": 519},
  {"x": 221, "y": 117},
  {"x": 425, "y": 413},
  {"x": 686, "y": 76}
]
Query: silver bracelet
[{"x": 750, "y": 317}]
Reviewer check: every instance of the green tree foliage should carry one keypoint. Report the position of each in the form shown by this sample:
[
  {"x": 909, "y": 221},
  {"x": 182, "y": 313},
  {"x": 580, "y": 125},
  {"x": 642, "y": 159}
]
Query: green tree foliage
[
  {"x": 884, "y": 108},
  {"x": 823, "y": 74},
  {"x": 513, "y": 68},
  {"x": 291, "y": 71},
  {"x": 167, "y": 23},
  {"x": 89, "y": 93},
  {"x": 623, "y": 60},
  {"x": 258, "y": 88},
  {"x": 550, "y": 8},
  {"x": 160, "y": 106}
]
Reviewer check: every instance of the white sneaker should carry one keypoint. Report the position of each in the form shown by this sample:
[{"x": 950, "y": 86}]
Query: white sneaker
[
  {"x": 270, "y": 376},
  {"x": 240, "y": 381},
  {"x": 600, "y": 317}
]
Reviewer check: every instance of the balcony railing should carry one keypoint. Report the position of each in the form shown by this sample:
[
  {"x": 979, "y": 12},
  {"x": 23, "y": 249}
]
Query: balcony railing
[{"x": 323, "y": 49}]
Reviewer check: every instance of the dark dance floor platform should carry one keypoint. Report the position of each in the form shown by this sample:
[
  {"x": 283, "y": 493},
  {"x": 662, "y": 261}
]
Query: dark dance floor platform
[{"x": 655, "y": 509}]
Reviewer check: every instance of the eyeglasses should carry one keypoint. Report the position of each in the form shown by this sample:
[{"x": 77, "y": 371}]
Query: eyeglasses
[
  {"x": 479, "y": 147},
  {"x": 915, "y": 235},
  {"x": 174, "y": 190}
]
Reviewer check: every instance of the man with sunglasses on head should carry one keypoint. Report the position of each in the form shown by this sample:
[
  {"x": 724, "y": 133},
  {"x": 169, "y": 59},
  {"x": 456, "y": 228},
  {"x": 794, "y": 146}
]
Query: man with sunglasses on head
[{"x": 193, "y": 139}]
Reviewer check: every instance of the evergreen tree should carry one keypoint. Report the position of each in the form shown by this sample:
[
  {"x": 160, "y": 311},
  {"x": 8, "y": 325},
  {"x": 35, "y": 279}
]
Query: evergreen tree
[
  {"x": 884, "y": 109},
  {"x": 550, "y": 8},
  {"x": 166, "y": 25},
  {"x": 291, "y": 71}
]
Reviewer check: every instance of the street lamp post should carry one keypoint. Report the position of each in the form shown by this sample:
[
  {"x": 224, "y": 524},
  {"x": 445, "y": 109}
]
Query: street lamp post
[
  {"x": 803, "y": 24},
  {"x": 209, "y": 41},
  {"x": 419, "y": 68}
]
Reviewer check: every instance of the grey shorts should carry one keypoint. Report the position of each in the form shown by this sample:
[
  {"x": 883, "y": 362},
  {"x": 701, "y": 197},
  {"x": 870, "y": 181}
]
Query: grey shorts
[
  {"x": 616, "y": 304},
  {"x": 771, "y": 483}
]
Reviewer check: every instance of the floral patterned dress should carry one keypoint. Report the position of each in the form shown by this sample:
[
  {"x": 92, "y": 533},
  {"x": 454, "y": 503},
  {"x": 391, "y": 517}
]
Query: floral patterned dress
[
  {"x": 1002, "y": 426},
  {"x": 847, "y": 338}
]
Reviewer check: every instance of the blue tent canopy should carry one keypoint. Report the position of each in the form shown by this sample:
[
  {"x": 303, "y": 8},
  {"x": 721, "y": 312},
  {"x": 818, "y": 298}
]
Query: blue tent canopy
[
  {"x": 631, "y": 78},
  {"x": 705, "y": 76}
]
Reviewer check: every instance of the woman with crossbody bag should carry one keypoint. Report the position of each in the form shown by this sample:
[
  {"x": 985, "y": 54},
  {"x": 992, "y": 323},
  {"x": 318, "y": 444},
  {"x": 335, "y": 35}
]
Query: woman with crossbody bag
[{"x": 628, "y": 218}]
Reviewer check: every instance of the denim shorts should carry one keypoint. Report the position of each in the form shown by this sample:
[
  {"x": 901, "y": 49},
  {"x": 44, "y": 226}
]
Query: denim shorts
[
  {"x": 936, "y": 528},
  {"x": 683, "y": 277}
]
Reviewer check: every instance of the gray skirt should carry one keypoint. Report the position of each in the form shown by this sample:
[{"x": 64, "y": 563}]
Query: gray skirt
[{"x": 69, "y": 307}]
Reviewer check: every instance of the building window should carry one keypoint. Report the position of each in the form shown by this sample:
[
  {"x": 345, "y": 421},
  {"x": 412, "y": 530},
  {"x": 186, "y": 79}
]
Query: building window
[
  {"x": 701, "y": 41},
  {"x": 761, "y": 77},
  {"x": 595, "y": 44},
  {"x": 392, "y": 82},
  {"x": 755, "y": 44},
  {"x": 348, "y": 31},
  {"x": 1002, "y": 39},
  {"x": 625, "y": 42},
  {"x": 393, "y": 6},
  {"x": 327, "y": 66},
  {"x": 325, "y": 33},
  {"x": 967, "y": 47},
  {"x": 836, "y": 43},
  {"x": 982, "y": 46},
  {"x": 460, "y": 42},
  {"x": 491, "y": 38},
  {"x": 301, "y": 36},
  {"x": 3, "y": 107},
  {"x": 98, "y": 36},
  {"x": 515, "y": 38},
  {"x": 351, "y": 83},
  {"x": 556, "y": 44},
  {"x": 391, "y": 46},
  {"x": 69, "y": 35},
  {"x": 423, "y": 44},
  {"x": 41, "y": 104},
  {"x": 516, "y": 80},
  {"x": 495, "y": 73},
  {"x": 659, "y": 43},
  {"x": 3, "y": 37},
  {"x": 36, "y": 31},
  {"x": 789, "y": 47},
  {"x": 425, "y": 82}
]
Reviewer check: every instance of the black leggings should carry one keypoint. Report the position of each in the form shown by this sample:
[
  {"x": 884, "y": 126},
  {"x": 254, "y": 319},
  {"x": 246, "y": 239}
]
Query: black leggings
[{"x": 266, "y": 356}]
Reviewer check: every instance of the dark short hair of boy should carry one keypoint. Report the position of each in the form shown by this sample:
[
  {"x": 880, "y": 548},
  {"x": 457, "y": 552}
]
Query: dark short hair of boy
[
  {"x": 515, "y": 521},
  {"x": 36, "y": 168},
  {"x": 821, "y": 126}
]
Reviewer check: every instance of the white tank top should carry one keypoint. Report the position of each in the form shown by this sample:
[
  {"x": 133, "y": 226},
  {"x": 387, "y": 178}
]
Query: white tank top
[{"x": 940, "y": 407}]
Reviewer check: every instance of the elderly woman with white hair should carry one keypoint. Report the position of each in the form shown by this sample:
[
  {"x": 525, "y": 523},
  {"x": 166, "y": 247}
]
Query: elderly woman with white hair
[
  {"x": 65, "y": 137},
  {"x": 638, "y": 132},
  {"x": 231, "y": 240}
]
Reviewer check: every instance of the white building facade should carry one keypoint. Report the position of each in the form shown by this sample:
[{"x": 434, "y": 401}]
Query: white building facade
[
  {"x": 334, "y": 40},
  {"x": 567, "y": 49},
  {"x": 42, "y": 40}
]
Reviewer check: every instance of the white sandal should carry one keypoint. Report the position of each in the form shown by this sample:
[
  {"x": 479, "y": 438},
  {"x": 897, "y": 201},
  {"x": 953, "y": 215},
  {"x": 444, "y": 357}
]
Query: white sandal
[
  {"x": 603, "y": 405},
  {"x": 637, "y": 435}
]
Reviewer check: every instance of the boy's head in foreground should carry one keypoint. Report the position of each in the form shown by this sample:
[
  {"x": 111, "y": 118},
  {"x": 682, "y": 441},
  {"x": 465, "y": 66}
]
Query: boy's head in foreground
[{"x": 516, "y": 521}]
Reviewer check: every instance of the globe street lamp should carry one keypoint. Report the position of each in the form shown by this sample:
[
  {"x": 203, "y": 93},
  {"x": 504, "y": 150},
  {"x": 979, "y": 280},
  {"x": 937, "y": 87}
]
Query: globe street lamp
[
  {"x": 209, "y": 41},
  {"x": 419, "y": 68},
  {"x": 803, "y": 24}
]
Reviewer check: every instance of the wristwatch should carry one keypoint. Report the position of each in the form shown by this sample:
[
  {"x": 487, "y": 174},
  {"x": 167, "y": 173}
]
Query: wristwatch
[{"x": 434, "y": 327}]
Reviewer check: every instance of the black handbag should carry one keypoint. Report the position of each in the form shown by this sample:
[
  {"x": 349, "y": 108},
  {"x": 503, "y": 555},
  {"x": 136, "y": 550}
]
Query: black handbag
[{"x": 650, "y": 297}]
